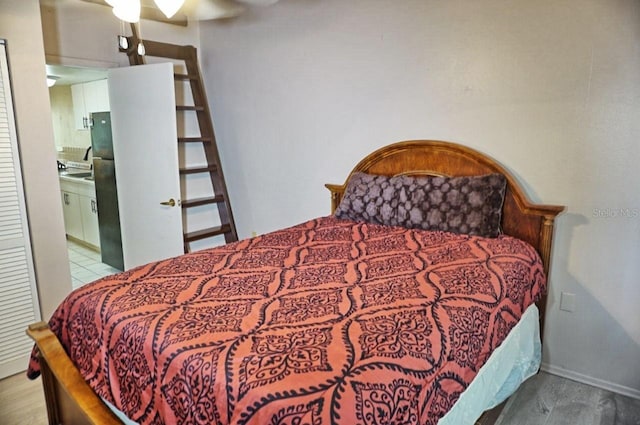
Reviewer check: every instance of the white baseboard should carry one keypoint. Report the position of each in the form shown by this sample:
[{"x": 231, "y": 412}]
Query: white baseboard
[{"x": 595, "y": 382}]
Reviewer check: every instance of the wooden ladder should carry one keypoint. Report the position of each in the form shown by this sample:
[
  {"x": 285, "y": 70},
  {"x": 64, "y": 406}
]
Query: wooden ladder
[{"x": 200, "y": 107}]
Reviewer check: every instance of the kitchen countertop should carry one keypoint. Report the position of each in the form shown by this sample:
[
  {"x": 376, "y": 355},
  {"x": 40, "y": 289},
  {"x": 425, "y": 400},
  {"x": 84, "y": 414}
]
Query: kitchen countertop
[
  {"x": 76, "y": 175},
  {"x": 79, "y": 180},
  {"x": 66, "y": 176}
]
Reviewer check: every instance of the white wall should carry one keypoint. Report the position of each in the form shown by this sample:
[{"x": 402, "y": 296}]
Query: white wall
[
  {"x": 302, "y": 90},
  {"x": 20, "y": 26}
]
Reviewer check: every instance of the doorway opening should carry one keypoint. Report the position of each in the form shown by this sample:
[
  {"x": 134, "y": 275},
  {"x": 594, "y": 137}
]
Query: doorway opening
[{"x": 75, "y": 94}]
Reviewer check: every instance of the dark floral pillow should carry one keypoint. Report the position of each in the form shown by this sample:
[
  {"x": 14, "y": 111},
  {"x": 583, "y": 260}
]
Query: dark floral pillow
[{"x": 470, "y": 205}]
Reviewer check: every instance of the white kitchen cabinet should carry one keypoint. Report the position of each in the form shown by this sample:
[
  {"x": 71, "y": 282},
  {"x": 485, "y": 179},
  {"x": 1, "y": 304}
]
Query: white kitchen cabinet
[
  {"x": 80, "y": 210},
  {"x": 96, "y": 96},
  {"x": 89, "y": 216},
  {"x": 87, "y": 98},
  {"x": 79, "y": 110},
  {"x": 71, "y": 211}
]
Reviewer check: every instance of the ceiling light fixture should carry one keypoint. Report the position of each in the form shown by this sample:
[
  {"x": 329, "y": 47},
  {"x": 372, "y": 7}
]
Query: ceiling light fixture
[{"x": 129, "y": 10}]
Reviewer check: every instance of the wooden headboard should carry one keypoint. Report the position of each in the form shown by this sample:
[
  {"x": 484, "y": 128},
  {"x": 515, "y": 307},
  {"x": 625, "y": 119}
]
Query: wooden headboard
[{"x": 521, "y": 218}]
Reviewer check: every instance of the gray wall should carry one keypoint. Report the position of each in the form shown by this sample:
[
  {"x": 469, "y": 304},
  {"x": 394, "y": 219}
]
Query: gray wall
[{"x": 302, "y": 90}]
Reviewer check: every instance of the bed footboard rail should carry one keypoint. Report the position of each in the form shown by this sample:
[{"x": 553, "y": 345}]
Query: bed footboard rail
[{"x": 69, "y": 399}]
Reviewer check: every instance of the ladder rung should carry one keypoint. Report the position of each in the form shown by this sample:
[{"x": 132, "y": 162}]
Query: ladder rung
[
  {"x": 196, "y": 202},
  {"x": 185, "y": 77},
  {"x": 194, "y": 139},
  {"x": 189, "y": 108},
  {"x": 197, "y": 170},
  {"x": 206, "y": 233}
]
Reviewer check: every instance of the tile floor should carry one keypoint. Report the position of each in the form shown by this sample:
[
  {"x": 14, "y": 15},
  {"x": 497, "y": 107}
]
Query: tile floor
[{"x": 86, "y": 265}]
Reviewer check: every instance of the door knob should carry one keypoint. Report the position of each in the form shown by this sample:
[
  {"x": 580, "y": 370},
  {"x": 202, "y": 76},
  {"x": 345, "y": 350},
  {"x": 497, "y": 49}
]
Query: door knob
[{"x": 171, "y": 202}]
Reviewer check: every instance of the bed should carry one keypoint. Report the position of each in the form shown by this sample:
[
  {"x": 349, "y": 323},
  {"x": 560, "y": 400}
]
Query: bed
[{"x": 357, "y": 317}]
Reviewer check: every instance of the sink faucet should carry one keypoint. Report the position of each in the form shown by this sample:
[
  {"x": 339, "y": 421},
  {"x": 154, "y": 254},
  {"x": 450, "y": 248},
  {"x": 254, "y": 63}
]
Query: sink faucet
[{"x": 86, "y": 157}]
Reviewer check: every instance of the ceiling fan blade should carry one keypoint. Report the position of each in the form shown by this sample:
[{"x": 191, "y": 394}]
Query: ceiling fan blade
[
  {"x": 258, "y": 2},
  {"x": 204, "y": 10},
  {"x": 169, "y": 7}
]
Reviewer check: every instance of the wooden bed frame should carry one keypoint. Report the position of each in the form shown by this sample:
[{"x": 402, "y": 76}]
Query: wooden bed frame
[{"x": 69, "y": 398}]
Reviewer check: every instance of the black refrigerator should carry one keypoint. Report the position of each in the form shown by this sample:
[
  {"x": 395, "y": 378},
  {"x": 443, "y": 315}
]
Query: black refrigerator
[{"x": 106, "y": 190}]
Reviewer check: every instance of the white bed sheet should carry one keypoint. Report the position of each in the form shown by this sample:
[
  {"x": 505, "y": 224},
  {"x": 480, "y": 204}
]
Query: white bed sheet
[{"x": 513, "y": 362}]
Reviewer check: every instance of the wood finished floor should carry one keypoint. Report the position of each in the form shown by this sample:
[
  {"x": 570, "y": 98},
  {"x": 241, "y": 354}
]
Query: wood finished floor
[
  {"x": 22, "y": 401},
  {"x": 543, "y": 400}
]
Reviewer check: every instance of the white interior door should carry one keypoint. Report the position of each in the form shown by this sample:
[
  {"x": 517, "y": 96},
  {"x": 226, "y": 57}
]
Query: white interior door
[{"x": 143, "y": 121}]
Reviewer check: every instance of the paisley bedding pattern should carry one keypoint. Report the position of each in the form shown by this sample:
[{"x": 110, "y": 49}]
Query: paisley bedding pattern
[{"x": 329, "y": 321}]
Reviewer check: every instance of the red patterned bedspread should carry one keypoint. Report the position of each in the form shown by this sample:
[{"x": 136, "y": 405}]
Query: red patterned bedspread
[{"x": 330, "y": 321}]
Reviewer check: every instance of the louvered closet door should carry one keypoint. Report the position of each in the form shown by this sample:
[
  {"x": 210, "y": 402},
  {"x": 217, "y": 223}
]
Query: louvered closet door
[{"x": 18, "y": 299}]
